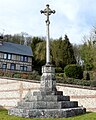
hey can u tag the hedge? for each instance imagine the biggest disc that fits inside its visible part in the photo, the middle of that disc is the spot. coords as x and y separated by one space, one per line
74 71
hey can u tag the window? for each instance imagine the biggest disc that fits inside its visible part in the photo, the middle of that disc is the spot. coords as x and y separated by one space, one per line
7 56
23 68
24 58
4 66
17 57
21 58
13 66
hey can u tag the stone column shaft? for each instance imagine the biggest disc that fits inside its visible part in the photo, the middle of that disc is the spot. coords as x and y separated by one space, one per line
47 44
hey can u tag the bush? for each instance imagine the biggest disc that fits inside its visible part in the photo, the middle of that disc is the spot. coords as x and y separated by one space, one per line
76 82
24 75
88 75
93 83
8 74
17 75
1 73
60 75
58 70
60 80
34 75
73 71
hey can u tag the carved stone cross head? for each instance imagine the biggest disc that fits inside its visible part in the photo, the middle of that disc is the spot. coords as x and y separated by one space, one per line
47 11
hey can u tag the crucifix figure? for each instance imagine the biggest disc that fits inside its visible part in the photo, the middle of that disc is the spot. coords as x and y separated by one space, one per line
47 11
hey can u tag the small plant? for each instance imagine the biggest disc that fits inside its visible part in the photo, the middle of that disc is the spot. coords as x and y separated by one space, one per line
8 74
17 75
58 70
93 83
60 75
34 75
1 73
24 75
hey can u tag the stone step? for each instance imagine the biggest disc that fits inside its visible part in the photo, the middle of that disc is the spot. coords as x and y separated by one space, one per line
69 104
43 93
47 113
59 92
48 98
48 105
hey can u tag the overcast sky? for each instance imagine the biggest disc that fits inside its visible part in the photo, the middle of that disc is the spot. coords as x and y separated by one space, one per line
73 17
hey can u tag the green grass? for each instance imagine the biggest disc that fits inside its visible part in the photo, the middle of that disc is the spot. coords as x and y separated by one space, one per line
88 116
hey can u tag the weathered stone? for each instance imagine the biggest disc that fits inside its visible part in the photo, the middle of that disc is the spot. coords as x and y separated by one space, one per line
48 105
48 69
48 102
47 113
43 93
47 98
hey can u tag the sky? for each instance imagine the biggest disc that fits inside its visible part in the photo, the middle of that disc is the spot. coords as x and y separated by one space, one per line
75 18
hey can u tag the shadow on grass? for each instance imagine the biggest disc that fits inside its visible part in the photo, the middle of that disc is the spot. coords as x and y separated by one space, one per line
2 108
80 115
88 112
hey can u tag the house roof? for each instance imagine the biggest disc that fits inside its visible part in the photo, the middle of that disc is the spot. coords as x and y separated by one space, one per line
14 48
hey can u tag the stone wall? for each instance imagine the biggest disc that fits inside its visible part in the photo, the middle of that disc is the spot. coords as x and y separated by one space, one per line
13 90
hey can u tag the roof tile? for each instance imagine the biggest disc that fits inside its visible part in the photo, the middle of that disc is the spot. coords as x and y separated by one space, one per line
14 48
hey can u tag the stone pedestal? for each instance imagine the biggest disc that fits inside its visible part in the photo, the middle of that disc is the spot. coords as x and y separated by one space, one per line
48 80
48 102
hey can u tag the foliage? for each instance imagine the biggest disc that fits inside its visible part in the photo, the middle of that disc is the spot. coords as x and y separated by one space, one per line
62 52
18 38
17 75
88 51
1 73
73 71
88 116
87 54
93 83
34 75
58 69
38 48
61 75
21 37
35 41
24 76
40 53
88 75
77 54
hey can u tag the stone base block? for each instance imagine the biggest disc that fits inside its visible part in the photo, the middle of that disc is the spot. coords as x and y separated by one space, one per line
46 113
43 93
48 105
49 98
48 102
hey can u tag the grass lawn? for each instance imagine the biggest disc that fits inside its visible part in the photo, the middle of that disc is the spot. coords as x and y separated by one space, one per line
88 116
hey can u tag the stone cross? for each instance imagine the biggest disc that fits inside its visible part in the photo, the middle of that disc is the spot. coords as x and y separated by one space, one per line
48 102
47 11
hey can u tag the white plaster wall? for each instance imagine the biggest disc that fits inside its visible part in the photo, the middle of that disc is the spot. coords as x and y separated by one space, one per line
14 90
85 97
